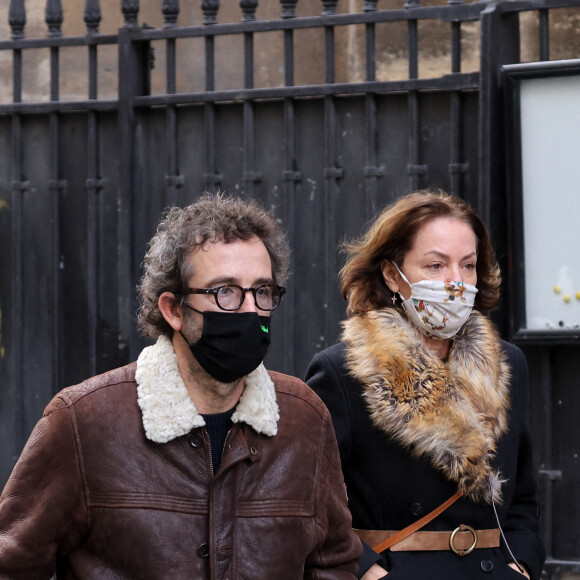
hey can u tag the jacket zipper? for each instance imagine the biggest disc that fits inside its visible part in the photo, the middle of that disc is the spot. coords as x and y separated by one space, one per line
206 437
225 443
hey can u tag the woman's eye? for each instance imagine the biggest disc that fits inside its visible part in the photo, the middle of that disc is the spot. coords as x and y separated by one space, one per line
436 266
225 290
470 266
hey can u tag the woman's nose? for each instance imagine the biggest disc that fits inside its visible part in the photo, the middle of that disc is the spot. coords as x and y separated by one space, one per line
455 274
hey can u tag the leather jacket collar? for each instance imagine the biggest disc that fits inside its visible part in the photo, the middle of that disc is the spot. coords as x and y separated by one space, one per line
168 411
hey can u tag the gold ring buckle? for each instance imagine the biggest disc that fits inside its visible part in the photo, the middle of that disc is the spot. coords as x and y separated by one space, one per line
463 528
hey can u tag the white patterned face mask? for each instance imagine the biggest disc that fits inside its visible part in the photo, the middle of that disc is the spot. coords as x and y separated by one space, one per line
438 309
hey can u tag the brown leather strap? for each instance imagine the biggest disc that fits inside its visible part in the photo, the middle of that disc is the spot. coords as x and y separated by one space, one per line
405 532
426 541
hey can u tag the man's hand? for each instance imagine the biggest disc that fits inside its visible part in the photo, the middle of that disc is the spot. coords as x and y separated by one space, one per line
374 573
511 565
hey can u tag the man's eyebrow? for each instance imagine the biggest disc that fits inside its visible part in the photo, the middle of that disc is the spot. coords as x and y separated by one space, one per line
219 280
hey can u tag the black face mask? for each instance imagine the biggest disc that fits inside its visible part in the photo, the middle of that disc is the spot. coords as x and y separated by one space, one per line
232 344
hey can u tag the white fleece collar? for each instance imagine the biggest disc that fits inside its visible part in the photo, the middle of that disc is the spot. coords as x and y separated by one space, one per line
168 411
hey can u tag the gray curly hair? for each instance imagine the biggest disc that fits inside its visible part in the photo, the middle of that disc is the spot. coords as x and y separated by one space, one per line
214 217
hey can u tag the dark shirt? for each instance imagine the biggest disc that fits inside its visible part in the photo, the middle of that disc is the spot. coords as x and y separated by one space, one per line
218 426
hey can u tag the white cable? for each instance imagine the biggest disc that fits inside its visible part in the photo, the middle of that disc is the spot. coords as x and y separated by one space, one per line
520 568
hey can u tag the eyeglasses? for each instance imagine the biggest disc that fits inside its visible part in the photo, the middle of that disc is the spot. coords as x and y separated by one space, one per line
231 296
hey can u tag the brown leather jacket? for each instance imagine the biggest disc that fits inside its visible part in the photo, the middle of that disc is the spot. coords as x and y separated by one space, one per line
97 494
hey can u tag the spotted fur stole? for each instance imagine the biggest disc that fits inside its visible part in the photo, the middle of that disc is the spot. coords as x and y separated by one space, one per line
451 413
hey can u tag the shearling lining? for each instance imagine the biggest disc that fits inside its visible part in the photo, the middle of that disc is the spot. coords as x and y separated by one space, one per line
168 411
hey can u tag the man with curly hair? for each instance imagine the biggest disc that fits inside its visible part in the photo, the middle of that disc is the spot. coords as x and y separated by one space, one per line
193 461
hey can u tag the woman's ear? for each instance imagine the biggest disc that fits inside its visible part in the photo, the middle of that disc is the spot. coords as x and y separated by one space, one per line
171 310
391 276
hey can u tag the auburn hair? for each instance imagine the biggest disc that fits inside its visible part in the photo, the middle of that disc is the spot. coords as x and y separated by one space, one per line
392 235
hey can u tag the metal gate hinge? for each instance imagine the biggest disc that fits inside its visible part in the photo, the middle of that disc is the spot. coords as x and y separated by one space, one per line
416 169
334 172
20 185
175 180
57 183
550 474
458 167
215 178
374 171
94 183
252 176
291 176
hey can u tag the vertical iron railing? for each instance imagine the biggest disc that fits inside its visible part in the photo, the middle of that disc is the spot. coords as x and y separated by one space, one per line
251 175
332 175
173 180
54 18
212 178
93 186
19 186
414 168
500 44
373 170
456 168
544 33
134 80
291 176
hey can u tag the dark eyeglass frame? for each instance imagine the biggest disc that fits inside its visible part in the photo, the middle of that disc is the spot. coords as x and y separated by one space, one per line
214 292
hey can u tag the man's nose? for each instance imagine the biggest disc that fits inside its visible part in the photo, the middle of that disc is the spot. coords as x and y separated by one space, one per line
249 304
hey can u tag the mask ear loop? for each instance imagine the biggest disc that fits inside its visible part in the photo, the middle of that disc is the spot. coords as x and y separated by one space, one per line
403 277
520 567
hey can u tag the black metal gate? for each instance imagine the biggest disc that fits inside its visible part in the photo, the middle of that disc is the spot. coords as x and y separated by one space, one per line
83 183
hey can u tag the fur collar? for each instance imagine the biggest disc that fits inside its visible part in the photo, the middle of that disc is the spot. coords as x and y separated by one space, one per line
451 413
168 411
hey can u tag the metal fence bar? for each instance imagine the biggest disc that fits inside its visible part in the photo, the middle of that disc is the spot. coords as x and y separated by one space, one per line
463 81
211 177
251 176
93 186
544 34
500 44
49 41
134 61
456 167
19 185
54 18
372 170
546 382
60 106
414 168
332 174
173 180
463 12
290 178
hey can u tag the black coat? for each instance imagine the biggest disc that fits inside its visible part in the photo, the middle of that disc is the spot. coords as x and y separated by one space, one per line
388 489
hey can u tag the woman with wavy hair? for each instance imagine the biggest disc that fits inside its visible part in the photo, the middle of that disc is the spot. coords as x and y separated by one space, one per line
429 405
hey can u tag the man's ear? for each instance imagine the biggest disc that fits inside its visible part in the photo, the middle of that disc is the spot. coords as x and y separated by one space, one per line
391 276
171 310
